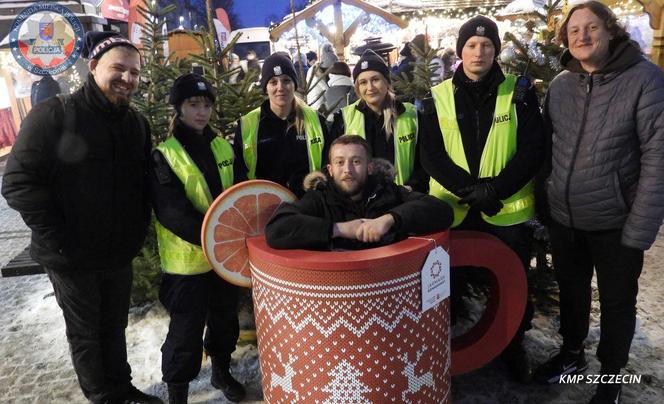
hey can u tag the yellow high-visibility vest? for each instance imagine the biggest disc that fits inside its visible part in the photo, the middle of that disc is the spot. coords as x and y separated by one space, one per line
499 148
312 129
405 136
177 255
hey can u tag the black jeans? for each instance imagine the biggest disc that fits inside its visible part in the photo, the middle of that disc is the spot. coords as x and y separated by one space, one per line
95 305
192 302
575 254
518 238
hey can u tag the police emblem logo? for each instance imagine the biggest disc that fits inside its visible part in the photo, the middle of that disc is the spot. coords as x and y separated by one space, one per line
277 71
365 65
46 38
201 86
479 31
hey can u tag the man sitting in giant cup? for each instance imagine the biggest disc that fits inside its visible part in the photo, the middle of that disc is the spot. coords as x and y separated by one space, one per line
355 205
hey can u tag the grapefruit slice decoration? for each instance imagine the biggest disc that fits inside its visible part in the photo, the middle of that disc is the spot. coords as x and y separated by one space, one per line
239 212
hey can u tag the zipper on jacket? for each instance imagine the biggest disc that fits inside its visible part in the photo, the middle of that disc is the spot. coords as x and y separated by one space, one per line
575 152
480 149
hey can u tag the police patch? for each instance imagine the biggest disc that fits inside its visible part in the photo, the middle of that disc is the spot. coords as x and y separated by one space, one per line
365 65
277 70
201 86
161 169
480 31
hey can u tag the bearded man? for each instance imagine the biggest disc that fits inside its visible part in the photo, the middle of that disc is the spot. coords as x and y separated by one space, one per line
355 206
77 176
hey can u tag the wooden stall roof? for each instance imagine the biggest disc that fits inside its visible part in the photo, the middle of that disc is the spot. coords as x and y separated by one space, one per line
409 6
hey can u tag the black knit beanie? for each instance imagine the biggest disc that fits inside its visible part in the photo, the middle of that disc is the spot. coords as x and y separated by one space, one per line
97 43
275 65
370 61
478 26
190 85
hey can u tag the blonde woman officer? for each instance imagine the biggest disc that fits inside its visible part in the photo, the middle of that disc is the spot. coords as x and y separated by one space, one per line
283 139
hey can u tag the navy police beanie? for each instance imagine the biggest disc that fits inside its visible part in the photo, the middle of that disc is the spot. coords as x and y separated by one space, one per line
190 85
478 26
370 61
275 65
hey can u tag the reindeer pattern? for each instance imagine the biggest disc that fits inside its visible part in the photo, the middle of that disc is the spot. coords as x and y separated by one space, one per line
285 381
415 383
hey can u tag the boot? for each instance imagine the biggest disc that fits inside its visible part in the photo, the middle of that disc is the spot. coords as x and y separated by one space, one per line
224 381
135 396
607 394
178 393
518 363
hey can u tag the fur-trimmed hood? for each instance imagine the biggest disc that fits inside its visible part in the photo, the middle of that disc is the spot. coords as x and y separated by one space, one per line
383 171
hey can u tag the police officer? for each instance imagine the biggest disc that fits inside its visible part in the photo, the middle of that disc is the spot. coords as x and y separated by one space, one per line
389 126
189 169
482 148
283 139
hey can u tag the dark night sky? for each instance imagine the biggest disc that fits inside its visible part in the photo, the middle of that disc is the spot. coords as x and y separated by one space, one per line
250 13
253 13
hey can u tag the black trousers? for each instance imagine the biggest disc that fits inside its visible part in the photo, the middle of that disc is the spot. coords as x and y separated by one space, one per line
95 305
518 238
575 254
192 302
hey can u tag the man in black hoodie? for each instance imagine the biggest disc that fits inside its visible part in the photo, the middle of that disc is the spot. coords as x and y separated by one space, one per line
77 176
481 148
605 186
359 208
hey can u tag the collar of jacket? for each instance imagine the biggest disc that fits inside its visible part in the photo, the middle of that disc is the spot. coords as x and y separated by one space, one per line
623 55
339 80
186 134
364 108
267 114
98 101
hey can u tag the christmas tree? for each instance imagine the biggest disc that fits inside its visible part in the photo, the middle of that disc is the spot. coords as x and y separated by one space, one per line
425 74
158 73
233 100
533 51
345 386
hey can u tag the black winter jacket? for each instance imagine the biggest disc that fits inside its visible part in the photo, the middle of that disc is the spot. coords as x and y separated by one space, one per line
83 193
607 140
169 200
381 146
282 152
475 106
307 223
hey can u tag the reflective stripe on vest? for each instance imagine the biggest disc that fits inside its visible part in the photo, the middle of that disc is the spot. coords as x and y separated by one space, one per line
405 138
313 130
499 148
177 255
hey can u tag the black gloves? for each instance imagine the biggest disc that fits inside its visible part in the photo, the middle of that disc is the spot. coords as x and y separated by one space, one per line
481 196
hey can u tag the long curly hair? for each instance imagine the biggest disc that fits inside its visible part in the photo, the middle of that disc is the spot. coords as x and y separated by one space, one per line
604 13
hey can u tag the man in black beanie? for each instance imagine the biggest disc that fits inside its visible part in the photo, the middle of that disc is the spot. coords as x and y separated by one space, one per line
77 176
482 149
